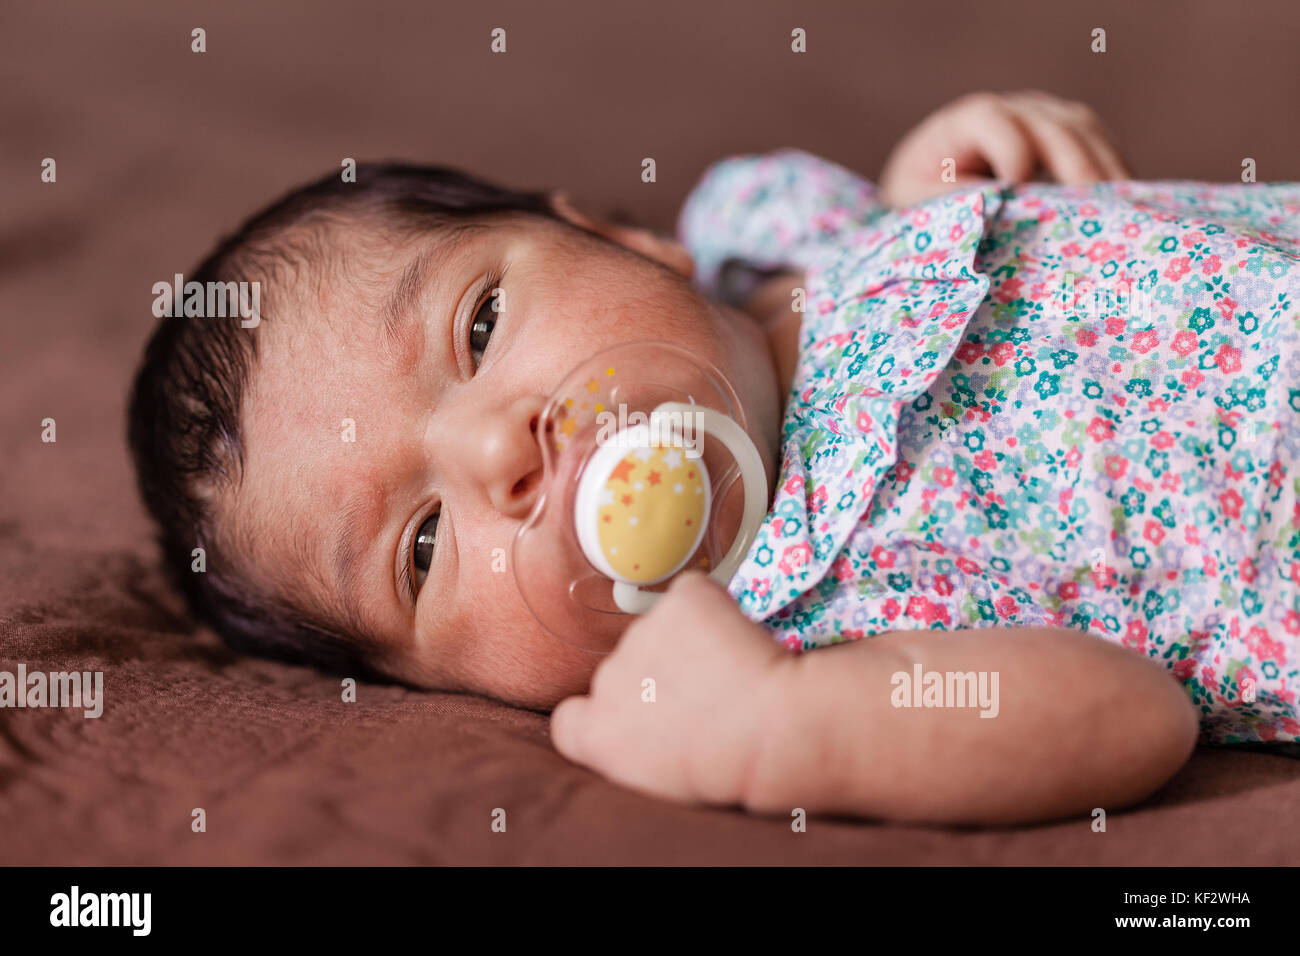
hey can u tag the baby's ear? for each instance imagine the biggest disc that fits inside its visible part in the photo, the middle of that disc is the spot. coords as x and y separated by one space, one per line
662 249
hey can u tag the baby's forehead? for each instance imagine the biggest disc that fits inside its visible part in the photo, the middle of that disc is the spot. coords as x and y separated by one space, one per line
327 277
359 257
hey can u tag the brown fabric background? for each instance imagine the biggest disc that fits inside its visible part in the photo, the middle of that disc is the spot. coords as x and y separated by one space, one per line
159 150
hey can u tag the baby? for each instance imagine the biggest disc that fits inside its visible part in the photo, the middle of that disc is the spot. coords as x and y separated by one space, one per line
1032 441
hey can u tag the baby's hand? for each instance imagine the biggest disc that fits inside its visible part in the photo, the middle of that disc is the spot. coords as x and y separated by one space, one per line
693 734
1006 135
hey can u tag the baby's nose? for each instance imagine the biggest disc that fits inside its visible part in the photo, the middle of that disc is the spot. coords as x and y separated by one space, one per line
509 457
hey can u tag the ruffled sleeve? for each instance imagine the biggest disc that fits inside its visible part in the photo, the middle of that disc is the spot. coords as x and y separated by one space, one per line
885 315
766 211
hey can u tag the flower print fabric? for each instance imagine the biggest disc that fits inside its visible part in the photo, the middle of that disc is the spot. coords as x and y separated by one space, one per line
1035 405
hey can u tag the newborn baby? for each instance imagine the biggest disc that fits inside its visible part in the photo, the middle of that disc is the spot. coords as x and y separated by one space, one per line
1036 434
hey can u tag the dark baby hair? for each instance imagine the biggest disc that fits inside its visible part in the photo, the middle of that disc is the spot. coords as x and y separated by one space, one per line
184 412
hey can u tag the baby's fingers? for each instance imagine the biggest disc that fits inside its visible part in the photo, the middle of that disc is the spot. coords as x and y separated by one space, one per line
1074 146
1061 151
1104 150
987 130
568 727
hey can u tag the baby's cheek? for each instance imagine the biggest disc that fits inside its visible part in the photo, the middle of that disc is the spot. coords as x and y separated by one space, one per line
523 664
494 646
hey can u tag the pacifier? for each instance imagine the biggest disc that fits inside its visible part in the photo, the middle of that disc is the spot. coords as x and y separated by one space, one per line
647 472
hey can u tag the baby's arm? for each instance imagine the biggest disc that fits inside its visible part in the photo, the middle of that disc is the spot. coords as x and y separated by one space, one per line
697 703
1080 724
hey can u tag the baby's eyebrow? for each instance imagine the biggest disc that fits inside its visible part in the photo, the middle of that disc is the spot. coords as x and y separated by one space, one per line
401 337
349 544
400 331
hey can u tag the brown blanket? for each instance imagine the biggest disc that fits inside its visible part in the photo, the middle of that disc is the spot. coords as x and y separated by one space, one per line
160 149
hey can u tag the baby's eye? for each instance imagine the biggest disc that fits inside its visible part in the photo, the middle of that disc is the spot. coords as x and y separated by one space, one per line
480 332
422 548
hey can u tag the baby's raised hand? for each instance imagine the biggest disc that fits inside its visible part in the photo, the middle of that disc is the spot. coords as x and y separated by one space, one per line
1005 136
676 710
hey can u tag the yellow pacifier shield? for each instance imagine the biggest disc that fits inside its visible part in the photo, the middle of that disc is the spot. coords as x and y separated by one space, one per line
642 511
651 514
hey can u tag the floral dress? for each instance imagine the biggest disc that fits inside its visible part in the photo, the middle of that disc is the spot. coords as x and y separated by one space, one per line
1034 405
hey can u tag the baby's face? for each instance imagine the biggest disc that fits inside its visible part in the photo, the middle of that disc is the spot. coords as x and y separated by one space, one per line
445 393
